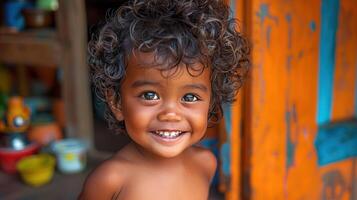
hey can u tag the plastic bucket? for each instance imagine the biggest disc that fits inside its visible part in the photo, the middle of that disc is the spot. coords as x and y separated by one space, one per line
71 155
36 170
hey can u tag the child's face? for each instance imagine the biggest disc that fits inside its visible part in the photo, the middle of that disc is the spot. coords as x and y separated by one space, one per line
164 111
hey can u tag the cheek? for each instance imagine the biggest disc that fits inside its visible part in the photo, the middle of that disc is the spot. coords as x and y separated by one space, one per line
136 117
198 117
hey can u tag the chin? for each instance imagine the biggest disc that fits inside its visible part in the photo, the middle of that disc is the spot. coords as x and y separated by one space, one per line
168 152
167 148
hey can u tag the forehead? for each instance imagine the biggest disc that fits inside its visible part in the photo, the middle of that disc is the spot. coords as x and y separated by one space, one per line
149 66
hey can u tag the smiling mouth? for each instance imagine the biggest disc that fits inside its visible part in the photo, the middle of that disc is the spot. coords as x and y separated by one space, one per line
168 134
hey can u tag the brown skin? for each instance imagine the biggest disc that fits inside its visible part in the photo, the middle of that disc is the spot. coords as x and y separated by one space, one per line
152 167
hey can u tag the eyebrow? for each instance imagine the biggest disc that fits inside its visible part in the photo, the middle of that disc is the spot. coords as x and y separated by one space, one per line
197 86
140 83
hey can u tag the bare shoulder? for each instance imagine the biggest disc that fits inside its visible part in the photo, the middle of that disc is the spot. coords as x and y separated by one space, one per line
205 159
106 181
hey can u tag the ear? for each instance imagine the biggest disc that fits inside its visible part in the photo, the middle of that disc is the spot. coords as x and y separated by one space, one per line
114 106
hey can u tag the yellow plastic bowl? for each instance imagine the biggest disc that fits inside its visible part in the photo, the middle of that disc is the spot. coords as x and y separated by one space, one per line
36 170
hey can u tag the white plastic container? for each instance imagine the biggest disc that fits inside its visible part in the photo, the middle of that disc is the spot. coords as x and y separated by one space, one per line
71 155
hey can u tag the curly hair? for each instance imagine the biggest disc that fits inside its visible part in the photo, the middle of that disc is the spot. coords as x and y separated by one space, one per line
181 31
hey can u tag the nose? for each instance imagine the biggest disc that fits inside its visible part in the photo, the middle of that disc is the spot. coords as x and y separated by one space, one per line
169 116
169 112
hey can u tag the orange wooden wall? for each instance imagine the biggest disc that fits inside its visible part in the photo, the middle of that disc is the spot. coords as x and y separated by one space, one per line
276 158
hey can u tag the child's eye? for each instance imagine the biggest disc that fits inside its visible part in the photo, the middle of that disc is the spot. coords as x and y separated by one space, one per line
190 98
149 96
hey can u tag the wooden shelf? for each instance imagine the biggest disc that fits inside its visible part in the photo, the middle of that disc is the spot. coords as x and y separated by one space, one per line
65 47
32 47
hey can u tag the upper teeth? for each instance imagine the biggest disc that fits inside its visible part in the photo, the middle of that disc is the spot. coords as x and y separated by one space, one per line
168 133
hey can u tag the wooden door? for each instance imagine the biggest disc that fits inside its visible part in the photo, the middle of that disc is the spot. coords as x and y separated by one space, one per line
298 139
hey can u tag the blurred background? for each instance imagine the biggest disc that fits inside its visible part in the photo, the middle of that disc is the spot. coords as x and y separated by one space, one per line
291 134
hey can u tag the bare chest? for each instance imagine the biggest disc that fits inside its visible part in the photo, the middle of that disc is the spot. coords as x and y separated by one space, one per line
174 185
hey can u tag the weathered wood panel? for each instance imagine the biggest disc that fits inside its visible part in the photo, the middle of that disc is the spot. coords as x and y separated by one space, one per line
39 48
236 123
346 62
76 87
285 101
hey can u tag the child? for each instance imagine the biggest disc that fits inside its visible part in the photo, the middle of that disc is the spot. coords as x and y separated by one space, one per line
164 67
